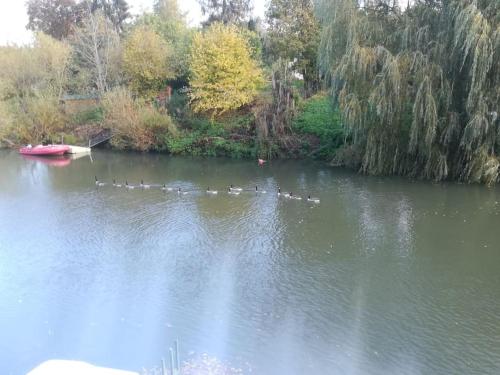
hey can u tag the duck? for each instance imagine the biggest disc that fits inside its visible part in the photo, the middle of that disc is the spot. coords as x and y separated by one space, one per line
211 191
314 200
233 192
115 184
259 191
145 186
127 186
232 188
99 183
180 192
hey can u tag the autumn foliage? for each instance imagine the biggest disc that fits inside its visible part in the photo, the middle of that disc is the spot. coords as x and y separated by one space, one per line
224 77
145 61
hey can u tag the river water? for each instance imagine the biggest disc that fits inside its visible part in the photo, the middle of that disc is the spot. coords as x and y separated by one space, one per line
384 276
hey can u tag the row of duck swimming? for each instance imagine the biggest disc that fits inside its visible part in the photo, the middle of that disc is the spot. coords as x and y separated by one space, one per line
231 190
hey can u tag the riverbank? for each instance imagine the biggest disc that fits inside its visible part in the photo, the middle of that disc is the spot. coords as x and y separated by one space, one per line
314 132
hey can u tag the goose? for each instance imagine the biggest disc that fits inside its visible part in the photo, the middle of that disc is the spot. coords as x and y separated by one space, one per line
279 190
314 200
180 192
232 192
99 183
296 197
232 188
127 186
259 191
211 191
115 184
165 188
145 186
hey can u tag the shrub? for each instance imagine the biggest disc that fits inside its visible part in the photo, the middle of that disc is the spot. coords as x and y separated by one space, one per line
94 115
136 124
317 117
36 119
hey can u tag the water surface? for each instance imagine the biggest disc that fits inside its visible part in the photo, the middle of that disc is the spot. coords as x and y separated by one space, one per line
384 276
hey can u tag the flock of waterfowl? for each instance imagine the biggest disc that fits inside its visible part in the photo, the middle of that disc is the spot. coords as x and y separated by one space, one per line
231 190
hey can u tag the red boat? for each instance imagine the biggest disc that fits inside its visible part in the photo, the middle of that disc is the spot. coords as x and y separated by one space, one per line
44 150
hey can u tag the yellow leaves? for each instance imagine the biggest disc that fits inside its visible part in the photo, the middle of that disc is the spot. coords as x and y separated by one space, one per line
53 54
146 61
42 67
223 75
53 58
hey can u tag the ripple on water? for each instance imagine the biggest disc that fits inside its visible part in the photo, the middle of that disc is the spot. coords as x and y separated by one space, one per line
369 281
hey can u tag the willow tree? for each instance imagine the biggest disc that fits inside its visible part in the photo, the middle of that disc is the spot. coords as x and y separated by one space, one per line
419 88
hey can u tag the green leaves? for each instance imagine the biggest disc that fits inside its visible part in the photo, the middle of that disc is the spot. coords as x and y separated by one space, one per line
418 89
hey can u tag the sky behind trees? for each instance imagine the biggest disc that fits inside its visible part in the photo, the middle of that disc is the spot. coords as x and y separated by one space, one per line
13 17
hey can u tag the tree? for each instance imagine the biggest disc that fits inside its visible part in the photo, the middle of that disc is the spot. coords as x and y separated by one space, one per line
418 90
225 11
117 11
167 10
54 17
32 79
146 61
53 57
293 35
28 71
97 48
58 18
223 75
168 22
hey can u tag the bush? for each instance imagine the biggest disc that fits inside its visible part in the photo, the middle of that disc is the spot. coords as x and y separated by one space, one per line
317 117
210 138
178 104
136 124
35 119
89 116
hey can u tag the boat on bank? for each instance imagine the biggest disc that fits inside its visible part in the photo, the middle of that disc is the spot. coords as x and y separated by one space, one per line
41 150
